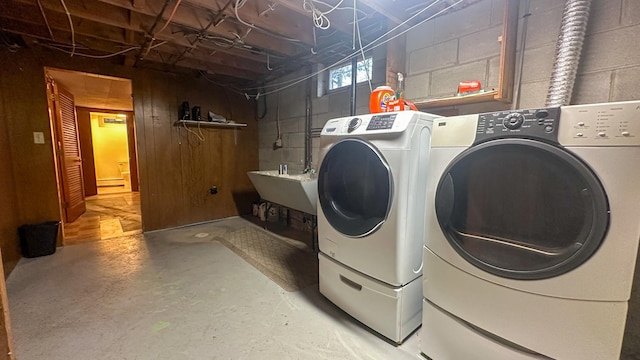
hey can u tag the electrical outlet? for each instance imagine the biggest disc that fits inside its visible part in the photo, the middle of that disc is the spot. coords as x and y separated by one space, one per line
38 137
213 190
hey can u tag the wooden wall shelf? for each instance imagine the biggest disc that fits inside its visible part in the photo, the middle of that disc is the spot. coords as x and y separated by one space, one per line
457 100
506 74
210 124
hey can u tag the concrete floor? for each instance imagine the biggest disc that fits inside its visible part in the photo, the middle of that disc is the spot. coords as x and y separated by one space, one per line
174 295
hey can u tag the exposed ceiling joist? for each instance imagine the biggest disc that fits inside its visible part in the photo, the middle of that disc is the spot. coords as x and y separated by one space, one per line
390 10
339 19
275 20
196 18
86 35
245 40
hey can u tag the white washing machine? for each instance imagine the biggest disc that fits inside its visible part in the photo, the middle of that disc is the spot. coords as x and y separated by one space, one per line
370 217
533 225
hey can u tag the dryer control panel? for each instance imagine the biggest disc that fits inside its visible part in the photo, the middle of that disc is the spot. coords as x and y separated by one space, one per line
607 124
532 123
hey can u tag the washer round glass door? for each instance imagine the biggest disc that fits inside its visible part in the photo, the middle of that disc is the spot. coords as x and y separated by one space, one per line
522 209
354 187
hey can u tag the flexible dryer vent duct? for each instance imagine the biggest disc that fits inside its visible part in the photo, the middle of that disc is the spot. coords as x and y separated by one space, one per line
568 49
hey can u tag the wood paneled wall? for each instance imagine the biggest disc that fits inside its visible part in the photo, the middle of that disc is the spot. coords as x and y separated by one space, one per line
9 219
28 174
176 169
179 165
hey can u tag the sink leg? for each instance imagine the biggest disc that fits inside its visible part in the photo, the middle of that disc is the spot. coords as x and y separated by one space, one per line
266 215
314 238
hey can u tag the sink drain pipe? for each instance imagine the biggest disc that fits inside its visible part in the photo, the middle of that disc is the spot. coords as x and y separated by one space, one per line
307 123
568 49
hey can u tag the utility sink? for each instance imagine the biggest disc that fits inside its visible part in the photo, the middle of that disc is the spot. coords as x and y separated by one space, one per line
295 191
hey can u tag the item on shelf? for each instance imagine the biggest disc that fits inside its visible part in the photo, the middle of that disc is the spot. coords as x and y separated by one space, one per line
400 89
216 118
400 105
195 113
379 99
469 87
185 113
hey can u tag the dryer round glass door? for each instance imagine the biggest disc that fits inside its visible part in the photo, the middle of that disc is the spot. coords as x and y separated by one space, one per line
521 208
354 187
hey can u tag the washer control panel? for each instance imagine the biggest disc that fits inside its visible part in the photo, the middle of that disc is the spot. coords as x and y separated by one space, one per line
532 123
381 122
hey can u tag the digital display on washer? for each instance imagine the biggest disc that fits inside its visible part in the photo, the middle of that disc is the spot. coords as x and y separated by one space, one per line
380 122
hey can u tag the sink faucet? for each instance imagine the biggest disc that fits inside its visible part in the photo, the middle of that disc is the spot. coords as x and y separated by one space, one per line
309 171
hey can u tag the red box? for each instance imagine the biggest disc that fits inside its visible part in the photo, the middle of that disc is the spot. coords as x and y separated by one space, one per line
400 105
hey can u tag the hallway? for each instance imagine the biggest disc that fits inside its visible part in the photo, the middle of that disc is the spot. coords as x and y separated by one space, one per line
108 215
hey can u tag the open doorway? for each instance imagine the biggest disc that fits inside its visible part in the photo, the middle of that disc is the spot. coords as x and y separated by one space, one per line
110 152
109 157
96 160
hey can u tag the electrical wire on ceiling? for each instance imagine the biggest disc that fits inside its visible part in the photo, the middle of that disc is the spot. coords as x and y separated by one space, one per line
239 4
73 32
54 47
154 34
364 59
320 19
270 7
226 86
221 42
369 46
238 43
46 22
60 47
173 12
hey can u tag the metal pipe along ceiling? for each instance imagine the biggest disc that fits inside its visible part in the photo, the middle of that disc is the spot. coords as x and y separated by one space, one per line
568 49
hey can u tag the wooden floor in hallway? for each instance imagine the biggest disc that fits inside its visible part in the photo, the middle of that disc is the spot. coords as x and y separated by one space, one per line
109 214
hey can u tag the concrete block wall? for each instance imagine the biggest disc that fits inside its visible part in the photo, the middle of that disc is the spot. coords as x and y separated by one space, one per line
464 46
291 105
451 48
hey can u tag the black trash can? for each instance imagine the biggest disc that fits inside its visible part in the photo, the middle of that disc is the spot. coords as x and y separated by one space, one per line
38 239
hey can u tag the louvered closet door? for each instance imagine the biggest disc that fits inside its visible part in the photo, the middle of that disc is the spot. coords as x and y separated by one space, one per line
71 160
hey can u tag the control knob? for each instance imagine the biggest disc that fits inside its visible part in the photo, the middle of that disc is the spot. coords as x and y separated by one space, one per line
513 121
353 124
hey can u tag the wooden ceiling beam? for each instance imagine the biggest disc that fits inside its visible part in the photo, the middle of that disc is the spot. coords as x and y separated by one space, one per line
202 66
59 21
138 4
196 18
135 22
27 23
104 14
226 60
280 20
40 36
388 9
339 19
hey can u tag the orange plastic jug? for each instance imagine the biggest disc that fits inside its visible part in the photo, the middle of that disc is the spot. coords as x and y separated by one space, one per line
379 99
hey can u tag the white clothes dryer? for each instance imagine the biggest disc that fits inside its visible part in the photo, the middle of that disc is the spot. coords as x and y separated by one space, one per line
371 215
532 233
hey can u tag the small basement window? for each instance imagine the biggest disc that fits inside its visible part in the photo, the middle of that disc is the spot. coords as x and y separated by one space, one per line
341 76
